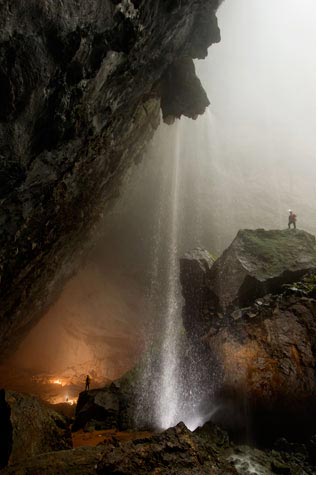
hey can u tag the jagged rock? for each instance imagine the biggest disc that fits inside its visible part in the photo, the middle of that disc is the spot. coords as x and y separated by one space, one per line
104 408
214 435
35 428
182 92
259 262
195 267
261 357
80 98
248 460
175 451
267 368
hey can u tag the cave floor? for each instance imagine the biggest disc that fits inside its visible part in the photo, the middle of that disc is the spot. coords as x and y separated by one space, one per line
93 438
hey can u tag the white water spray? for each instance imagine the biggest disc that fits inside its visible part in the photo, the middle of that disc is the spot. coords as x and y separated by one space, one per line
170 392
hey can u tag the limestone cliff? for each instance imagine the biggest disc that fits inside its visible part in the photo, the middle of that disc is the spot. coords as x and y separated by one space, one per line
81 84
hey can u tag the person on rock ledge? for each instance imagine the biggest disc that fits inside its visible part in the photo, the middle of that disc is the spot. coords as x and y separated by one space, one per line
87 383
291 219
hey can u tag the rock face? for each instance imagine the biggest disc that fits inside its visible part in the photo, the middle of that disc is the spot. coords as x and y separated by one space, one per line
259 262
81 88
104 408
35 428
266 361
262 355
175 451
195 268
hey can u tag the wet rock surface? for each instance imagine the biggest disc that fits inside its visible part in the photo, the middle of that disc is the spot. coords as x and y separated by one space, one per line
175 451
261 356
266 360
81 87
249 460
35 428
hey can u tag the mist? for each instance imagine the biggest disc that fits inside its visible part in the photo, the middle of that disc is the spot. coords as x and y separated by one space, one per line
243 164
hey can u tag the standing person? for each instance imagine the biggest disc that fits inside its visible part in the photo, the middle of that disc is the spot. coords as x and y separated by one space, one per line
87 383
291 219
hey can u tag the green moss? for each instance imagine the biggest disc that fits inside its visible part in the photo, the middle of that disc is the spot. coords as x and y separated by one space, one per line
277 249
214 257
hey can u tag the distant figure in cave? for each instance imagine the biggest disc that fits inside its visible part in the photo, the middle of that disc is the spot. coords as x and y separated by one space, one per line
291 219
87 383
5 430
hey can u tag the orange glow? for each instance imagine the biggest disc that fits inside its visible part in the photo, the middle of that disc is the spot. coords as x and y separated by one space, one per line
56 381
70 401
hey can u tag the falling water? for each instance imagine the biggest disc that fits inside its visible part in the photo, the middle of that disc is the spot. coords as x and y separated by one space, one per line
198 183
192 169
169 385
146 401
167 393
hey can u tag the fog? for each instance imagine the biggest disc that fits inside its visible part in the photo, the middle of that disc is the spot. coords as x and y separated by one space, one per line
243 164
261 81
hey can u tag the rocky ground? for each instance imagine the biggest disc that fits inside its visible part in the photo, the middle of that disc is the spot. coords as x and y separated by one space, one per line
208 450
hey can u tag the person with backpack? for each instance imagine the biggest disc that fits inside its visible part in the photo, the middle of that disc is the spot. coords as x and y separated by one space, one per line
291 219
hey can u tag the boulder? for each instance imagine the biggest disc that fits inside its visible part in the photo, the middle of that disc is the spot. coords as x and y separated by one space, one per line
266 368
195 269
255 328
259 262
34 427
104 408
196 266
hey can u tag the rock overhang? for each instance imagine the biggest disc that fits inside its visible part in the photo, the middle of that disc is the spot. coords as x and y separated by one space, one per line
81 91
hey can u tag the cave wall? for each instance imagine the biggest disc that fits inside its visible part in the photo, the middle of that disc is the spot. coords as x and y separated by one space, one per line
81 85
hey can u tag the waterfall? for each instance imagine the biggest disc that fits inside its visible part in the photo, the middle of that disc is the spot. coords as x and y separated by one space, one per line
158 400
170 385
167 393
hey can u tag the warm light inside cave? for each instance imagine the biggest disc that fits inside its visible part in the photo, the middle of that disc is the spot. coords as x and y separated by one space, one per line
56 381
70 401
92 329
